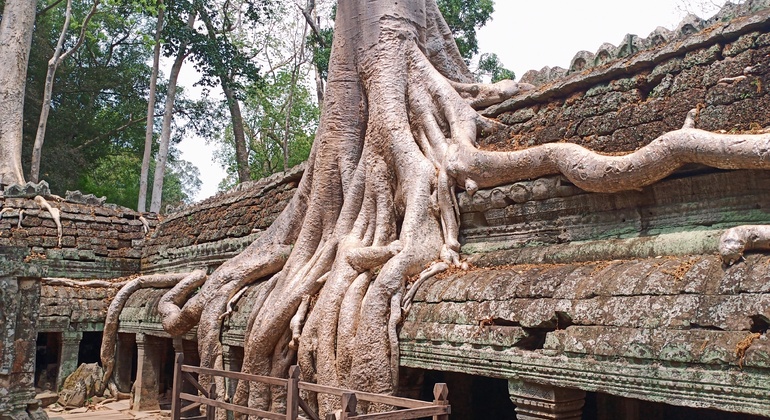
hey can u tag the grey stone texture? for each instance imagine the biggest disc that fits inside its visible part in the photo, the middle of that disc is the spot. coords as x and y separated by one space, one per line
569 291
218 228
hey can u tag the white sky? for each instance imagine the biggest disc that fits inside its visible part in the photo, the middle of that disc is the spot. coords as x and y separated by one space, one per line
528 35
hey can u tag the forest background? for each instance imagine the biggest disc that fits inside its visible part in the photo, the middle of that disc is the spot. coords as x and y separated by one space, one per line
250 82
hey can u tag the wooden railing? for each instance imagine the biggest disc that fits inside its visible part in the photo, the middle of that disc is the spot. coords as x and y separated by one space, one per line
406 408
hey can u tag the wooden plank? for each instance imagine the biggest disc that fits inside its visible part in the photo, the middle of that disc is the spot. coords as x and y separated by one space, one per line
366 396
409 413
235 375
190 407
233 407
292 394
211 412
309 411
176 403
191 379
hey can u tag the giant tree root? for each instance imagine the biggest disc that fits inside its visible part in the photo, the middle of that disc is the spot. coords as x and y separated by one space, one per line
110 334
377 204
735 241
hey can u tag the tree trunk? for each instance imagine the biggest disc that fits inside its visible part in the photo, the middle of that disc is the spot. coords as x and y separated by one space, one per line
53 64
15 42
241 148
299 56
168 115
225 78
149 131
377 204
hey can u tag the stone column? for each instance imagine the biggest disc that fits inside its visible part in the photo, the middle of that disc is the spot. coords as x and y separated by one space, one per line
535 401
232 360
19 309
68 356
149 353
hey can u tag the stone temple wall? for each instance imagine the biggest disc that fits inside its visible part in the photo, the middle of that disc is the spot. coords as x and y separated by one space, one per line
618 294
207 233
621 105
96 241
623 293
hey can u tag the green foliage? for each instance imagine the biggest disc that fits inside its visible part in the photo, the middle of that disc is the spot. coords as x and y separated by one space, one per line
96 126
116 176
490 65
322 50
464 17
264 114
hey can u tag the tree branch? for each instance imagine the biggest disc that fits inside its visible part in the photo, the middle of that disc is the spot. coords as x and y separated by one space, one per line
47 8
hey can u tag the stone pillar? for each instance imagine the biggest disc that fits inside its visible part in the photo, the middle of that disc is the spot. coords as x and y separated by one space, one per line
19 309
68 356
149 354
534 401
232 360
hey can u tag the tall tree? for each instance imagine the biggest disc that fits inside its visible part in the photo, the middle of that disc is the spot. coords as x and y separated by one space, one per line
150 124
168 114
15 40
376 205
226 63
53 64
266 108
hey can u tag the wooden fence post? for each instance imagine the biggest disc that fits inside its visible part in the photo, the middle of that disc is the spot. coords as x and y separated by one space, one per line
349 405
176 402
441 394
292 394
210 409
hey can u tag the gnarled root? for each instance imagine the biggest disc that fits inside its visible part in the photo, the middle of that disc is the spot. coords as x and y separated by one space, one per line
481 95
429 272
180 314
49 281
735 241
55 215
377 204
599 173
110 333
297 321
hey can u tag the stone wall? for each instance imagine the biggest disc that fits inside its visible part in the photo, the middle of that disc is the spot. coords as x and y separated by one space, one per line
97 240
208 233
624 104
613 293
669 329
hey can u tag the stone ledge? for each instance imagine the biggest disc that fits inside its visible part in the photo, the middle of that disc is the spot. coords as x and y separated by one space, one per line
743 391
720 32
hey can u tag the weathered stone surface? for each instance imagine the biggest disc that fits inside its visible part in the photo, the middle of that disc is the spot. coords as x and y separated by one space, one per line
28 190
78 197
81 385
616 293
217 228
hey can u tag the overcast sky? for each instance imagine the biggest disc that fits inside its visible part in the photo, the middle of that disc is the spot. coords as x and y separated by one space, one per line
529 35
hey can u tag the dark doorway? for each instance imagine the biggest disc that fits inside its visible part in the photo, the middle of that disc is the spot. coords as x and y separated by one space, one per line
609 407
90 348
47 360
472 397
